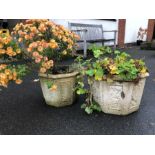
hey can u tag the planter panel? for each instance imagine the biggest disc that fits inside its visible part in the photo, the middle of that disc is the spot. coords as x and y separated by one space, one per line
64 95
119 98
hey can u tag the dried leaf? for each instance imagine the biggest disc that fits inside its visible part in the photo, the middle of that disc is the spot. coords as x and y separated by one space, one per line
109 80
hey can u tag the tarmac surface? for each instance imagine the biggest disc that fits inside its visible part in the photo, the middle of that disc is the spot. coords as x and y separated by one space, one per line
23 111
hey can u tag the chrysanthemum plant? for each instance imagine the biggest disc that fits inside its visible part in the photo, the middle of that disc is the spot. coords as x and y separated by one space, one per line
45 42
42 41
108 65
8 48
10 51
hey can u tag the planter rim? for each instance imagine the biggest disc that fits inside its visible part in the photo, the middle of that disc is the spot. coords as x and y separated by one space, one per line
116 79
58 76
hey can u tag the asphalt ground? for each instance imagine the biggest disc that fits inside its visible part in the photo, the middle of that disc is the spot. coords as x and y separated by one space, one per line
23 111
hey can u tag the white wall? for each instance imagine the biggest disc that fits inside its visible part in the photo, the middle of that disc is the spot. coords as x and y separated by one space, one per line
107 25
132 27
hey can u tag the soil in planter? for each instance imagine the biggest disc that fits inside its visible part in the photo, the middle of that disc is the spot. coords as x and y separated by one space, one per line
61 69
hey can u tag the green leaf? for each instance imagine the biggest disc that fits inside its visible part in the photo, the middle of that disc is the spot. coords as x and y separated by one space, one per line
88 110
49 84
97 64
108 50
96 106
97 53
99 74
90 72
83 106
22 70
80 91
117 52
81 84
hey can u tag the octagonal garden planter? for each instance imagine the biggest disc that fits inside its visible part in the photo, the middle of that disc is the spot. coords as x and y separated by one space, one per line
64 94
118 97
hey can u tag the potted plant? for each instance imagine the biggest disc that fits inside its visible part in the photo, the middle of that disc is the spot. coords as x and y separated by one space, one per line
47 44
9 49
10 52
141 35
116 81
9 73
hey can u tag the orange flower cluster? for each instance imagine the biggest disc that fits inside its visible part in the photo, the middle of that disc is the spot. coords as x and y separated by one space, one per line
8 46
38 51
41 45
53 88
8 74
46 65
45 41
38 29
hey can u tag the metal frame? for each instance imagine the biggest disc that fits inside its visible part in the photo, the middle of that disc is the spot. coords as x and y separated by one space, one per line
85 31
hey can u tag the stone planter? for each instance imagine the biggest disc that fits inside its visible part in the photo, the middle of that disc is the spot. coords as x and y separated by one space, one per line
119 98
64 94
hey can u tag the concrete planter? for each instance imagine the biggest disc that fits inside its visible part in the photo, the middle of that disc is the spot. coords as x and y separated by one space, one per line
119 98
64 95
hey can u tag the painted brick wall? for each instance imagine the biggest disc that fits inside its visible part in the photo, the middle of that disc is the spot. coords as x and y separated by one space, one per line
121 32
151 24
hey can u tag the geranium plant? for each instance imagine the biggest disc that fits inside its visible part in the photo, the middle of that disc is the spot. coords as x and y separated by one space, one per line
107 65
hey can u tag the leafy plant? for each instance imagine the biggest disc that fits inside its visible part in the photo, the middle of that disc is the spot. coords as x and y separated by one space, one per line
106 65
99 51
90 108
127 71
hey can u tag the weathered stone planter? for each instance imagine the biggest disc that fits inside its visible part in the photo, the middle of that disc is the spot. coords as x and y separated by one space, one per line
119 98
64 95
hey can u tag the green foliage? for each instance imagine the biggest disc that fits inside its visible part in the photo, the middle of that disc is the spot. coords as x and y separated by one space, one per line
99 74
127 71
90 72
80 88
21 70
106 65
116 52
81 91
99 51
49 84
121 57
89 109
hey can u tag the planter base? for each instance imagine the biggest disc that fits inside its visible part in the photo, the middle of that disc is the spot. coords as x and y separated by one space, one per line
64 94
119 98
